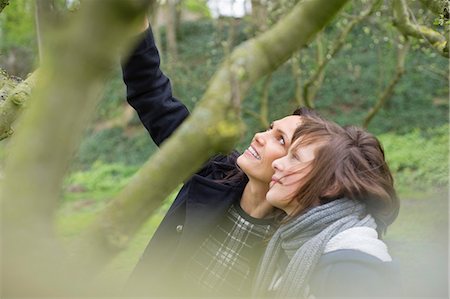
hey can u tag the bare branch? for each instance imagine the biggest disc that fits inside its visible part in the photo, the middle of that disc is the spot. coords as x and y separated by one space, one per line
389 90
317 76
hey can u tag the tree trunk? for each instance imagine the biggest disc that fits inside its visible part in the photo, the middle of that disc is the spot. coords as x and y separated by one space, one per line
389 90
171 30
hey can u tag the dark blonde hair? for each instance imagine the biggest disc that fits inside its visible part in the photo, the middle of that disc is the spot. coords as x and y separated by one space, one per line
349 162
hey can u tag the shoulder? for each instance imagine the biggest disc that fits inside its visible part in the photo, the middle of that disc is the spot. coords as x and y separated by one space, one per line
352 273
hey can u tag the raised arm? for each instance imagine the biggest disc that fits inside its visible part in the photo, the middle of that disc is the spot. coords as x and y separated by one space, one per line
149 91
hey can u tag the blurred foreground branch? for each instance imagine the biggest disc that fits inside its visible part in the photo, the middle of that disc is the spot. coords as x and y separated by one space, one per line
67 89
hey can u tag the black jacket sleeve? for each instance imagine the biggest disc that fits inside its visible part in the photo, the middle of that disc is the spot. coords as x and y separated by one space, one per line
149 91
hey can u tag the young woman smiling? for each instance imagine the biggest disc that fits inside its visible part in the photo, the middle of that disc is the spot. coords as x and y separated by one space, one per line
337 192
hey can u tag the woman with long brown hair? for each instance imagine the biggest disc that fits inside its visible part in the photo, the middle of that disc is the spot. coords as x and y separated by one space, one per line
337 192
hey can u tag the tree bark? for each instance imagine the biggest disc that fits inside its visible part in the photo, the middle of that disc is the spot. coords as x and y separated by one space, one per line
213 127
15 98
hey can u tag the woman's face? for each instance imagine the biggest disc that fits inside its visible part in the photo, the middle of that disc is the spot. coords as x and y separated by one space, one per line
290 171
256 161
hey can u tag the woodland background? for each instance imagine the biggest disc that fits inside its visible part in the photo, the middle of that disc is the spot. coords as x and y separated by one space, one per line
364 68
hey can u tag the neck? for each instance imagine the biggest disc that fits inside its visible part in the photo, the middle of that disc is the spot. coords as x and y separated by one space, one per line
253 200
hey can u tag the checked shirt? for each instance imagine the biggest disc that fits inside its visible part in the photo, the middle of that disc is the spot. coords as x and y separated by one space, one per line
225 263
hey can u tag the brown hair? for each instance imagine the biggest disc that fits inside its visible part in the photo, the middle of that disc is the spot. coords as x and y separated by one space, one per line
349 162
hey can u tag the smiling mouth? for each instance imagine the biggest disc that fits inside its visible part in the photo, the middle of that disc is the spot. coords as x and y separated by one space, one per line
254 153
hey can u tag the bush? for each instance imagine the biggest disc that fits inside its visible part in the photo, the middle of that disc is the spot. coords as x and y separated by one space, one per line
419 159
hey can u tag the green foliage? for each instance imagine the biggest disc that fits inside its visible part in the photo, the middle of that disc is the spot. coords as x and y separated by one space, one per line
114 146
113 98
100 182
18 47
419 160
17 24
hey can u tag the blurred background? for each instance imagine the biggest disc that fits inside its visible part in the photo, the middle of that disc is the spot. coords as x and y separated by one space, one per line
354 66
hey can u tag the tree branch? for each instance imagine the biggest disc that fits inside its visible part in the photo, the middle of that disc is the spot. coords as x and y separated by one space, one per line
389 90
405 26
310 93
3 4
15 97
337 46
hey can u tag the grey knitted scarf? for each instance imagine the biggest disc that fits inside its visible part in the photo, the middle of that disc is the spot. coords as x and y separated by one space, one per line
303 240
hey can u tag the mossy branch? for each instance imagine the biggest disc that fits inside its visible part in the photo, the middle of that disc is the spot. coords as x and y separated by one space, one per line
15 97
310 92
403 23
389 90
213 127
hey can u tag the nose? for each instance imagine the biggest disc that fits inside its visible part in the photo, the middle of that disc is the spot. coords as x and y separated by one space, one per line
277 164
260 138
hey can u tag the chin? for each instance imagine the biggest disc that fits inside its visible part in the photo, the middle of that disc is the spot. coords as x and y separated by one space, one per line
240 161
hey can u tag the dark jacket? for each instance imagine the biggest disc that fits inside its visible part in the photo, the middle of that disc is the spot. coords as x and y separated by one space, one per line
202 201
352 273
